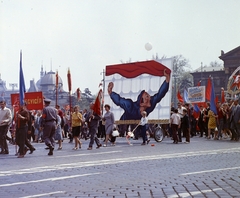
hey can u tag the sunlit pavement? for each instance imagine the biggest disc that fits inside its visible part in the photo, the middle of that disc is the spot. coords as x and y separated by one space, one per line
203 168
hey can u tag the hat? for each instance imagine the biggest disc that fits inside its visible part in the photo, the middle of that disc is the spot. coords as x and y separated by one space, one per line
47 100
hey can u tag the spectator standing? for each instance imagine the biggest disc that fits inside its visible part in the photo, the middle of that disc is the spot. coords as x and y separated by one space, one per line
5 120
175 125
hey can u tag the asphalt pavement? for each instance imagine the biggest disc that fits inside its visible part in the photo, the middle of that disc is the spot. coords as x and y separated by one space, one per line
203 168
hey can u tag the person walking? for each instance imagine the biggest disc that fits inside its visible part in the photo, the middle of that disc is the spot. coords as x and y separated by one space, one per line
185 125
76 126
58 132
143 127
5 120
109 123
92 119
22 118
49 117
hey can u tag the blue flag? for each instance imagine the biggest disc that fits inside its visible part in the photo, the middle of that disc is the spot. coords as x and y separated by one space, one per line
22 88
212 99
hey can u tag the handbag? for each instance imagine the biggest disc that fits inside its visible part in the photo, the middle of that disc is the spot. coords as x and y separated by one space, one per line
115 133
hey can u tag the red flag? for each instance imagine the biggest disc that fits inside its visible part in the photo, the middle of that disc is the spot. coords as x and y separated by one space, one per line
78 94
97 104
199 83
69 81
56 79
180 98
209 89
222 95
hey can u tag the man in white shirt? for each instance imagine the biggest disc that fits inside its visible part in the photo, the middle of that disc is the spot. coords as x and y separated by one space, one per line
5 120
175 125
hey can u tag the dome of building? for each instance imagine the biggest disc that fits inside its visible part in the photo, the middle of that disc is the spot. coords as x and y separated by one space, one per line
50 79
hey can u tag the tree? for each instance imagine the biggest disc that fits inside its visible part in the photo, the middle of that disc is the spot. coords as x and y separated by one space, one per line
186 81
215 64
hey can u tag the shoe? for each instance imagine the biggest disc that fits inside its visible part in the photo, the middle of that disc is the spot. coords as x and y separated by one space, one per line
31 150
186 142
135 138
130 144
47 148
20 156
70 141
50 151
104 145
89 148
26 150
75 148
143 144
113 144
148 141
80 145
98 146
59 148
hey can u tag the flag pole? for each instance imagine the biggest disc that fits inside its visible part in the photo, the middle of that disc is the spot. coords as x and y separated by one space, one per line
56 88
70 89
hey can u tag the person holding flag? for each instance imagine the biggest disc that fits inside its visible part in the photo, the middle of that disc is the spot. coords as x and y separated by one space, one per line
92 118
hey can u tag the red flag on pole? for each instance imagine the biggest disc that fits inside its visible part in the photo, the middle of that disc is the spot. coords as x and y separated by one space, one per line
78 94
56 79
209 89
97 104
180 98
199 83
69 81
222 95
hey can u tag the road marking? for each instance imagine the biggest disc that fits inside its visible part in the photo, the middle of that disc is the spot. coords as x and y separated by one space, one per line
44 194
208 171
50 179
113 161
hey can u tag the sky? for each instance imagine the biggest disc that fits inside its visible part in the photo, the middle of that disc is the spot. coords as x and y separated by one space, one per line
87 35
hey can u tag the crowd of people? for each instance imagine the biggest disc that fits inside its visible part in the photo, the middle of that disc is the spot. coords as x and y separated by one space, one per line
223 124
51 125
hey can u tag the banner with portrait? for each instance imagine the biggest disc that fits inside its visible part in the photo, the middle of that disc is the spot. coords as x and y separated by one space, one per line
139 86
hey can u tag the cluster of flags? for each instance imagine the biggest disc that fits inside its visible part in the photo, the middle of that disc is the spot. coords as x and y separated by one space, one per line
22 89
210 96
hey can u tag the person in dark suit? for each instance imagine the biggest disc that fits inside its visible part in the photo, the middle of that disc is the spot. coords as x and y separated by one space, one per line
201 121
92 119
235 120
185 125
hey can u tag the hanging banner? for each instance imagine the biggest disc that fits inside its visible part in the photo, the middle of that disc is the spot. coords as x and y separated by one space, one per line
34 100
196 94
132 88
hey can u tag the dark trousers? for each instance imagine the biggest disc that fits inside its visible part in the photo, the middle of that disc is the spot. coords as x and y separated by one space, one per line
49 133
174 132
3 136
28 144
143 132
187 134
93 136
21 136
180 134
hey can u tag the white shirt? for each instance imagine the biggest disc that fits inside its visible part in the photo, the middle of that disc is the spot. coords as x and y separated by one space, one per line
143 121
175 119
5 116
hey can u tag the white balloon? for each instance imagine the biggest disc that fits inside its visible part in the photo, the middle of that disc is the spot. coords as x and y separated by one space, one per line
148 46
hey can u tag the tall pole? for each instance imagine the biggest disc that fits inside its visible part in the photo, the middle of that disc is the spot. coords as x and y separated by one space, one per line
103 83
56 88
175 92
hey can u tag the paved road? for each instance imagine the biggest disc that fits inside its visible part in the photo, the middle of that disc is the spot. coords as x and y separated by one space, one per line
203 168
